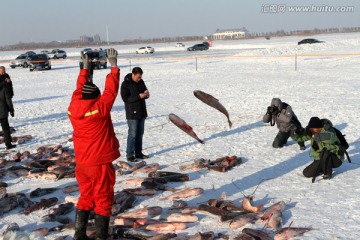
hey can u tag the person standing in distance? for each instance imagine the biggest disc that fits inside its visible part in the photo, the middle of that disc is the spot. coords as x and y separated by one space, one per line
5 77
95 146
134 93
6 106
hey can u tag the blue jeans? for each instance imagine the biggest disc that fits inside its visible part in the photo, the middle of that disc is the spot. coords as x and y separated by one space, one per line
135 137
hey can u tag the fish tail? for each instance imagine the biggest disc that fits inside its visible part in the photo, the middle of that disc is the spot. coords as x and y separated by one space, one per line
230 123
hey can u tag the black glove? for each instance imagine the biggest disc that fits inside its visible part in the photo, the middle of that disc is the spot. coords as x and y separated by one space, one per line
12 114
315 146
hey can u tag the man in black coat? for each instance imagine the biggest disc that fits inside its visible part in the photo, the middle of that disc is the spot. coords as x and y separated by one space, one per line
134 93
5 77
6 107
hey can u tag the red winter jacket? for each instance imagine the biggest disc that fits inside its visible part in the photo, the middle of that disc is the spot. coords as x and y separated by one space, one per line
94 138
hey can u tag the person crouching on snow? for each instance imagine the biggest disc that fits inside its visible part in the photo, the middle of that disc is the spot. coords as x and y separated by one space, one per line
325 149
282 114
95 146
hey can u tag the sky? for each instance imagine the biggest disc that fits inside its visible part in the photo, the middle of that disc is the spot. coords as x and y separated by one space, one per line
48 20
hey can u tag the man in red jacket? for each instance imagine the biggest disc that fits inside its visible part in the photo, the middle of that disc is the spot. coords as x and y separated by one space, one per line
96 146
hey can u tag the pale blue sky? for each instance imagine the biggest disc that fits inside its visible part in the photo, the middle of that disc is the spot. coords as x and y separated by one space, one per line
46 20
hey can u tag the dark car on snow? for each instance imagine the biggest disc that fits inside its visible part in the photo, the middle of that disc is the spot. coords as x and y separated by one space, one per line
309 41
98 59
30 53
198 47
39 61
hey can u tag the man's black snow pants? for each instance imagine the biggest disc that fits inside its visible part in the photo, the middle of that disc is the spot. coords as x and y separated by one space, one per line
327 162
282 138
6 131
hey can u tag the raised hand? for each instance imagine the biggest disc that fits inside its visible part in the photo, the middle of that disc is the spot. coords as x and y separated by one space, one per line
112 56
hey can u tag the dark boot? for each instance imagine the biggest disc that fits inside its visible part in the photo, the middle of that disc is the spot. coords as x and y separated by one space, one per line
102 227
81 221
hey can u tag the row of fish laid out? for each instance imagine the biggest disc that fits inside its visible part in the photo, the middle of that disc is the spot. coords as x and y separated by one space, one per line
48 163
140 223
17 139
222 164
237 216
11 201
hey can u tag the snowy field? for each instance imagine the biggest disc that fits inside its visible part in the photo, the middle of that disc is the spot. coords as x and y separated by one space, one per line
323 85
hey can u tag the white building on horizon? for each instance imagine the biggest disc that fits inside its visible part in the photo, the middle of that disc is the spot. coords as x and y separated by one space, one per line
230 33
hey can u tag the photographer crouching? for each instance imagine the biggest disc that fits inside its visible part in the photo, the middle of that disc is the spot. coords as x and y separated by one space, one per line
326 148
282 114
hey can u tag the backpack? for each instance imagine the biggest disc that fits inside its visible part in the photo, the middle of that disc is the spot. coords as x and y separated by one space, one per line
328 126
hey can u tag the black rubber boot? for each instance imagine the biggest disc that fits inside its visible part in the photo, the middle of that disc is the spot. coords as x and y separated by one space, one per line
81 221
102 227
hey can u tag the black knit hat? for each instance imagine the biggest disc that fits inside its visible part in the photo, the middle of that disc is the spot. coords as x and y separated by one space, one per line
315 122
90 91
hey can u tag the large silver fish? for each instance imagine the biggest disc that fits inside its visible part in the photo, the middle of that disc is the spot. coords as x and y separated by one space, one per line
212 102
290 232
184 126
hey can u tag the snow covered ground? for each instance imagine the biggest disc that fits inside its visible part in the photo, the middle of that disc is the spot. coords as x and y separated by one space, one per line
324 86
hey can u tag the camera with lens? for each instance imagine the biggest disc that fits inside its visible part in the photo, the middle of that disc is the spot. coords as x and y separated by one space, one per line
271 110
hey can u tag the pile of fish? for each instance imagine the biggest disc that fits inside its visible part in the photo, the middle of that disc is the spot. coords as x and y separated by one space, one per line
222 164
140 180
50 163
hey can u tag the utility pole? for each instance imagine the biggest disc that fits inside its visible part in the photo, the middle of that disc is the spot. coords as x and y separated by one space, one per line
107 35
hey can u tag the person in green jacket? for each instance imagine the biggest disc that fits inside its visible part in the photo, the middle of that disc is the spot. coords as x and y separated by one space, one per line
325 149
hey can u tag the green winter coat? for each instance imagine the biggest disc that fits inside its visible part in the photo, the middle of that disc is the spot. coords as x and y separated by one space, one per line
323 140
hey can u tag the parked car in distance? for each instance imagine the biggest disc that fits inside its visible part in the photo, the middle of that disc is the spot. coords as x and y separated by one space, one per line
30 53
39 61
206 44
45 52
145 50
86 50
198 47
21 61
180 44
57 53
309 41
98 59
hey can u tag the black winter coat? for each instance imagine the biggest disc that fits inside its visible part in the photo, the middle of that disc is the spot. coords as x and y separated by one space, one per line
135 107
6 104
2 78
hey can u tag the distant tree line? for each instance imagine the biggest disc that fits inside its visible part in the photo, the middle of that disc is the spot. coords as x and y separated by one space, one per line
80 44
281 33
